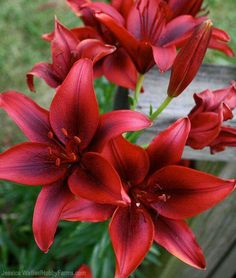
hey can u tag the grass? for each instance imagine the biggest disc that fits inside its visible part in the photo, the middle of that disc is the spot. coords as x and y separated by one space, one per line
21 24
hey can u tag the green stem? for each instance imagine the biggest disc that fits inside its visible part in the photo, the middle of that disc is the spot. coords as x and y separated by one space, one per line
160 109
137 91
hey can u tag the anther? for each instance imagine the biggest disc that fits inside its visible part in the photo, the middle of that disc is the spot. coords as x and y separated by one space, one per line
73 156
50 135
77 140
64 131
50 150
58 162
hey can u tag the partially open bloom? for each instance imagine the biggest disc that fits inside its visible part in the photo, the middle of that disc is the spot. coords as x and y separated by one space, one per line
65 142
67 47
207 117
162 195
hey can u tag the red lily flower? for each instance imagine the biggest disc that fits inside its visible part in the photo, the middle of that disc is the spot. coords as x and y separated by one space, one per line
189 59
211 110
67 48
63 144
162 195
83 272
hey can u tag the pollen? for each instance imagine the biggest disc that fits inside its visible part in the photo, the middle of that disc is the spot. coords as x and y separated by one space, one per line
77 140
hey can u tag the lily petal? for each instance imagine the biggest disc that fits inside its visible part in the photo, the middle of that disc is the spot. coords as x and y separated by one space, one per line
177 238
167 147
164 56
98 181
131 231
32 119
30 164
75 108
47 211
188 192
113 124
46 72
84 210
83 272
130 161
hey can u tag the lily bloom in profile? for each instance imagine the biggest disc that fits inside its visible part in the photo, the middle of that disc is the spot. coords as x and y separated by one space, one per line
65 141
162 195
67 47
212 109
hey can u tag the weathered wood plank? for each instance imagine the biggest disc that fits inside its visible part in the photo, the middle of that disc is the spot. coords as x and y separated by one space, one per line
216 233
155 84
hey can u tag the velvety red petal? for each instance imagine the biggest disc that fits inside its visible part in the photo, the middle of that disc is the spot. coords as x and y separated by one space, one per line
188 192
98 181
83 272
85 32
164 56
167 147
177 238
44 71
123 6
63 46
75 108
32 119
84 210
30 164
205 127
131 231
94 49
47 211
130 161
119 69
113 124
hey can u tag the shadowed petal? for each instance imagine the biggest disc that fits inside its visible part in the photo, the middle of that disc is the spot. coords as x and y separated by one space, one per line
47 211
131 231
130 161
84 210
188 192
75 108
46 72
168 146
32 119
115 123
30 164
177 238
98 181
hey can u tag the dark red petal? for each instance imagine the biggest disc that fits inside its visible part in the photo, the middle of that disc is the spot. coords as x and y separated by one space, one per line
221 46
177 238
205 127
98 181
115 123
119 69
75 107
30 164
164 56
75 5
84 210
32 119
85 32
44 71
167 147
188 192
47 211
63 46
83 272
130 161
131 231
94 49
123 6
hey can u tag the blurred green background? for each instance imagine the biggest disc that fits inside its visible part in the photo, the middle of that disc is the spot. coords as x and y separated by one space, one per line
22 22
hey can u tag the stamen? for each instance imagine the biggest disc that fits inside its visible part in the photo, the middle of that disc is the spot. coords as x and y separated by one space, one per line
73 156
64 131
50 135
77 140
58 162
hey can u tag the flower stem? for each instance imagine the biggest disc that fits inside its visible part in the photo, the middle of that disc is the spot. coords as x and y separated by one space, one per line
137 91
161 108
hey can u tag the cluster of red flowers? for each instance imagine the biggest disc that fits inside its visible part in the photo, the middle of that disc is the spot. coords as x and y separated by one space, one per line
88 169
